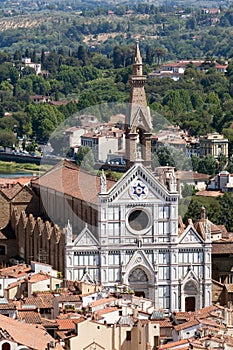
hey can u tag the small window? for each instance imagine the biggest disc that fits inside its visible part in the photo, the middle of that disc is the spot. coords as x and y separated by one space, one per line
2 250
128 335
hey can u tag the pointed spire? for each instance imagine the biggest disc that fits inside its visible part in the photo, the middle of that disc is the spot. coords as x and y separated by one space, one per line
138 122
137 66
137 58
69 232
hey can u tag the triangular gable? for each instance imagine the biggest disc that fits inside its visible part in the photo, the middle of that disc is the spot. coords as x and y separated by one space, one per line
136 177
139 259
191 275
86 238
190 235
24 195
87 278
94 345
139 120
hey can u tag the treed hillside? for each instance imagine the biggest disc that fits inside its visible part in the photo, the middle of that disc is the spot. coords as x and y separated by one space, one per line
184 32
86 57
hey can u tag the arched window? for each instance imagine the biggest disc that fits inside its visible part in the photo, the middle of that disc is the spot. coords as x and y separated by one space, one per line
6 346
138 275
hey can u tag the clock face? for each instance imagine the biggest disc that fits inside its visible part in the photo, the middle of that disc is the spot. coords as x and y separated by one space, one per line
138 190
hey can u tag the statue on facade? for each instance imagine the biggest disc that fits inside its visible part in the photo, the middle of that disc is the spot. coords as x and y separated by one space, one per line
103 182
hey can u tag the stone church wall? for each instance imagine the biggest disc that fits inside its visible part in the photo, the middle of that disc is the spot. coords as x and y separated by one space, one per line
39 240
4 211
25 199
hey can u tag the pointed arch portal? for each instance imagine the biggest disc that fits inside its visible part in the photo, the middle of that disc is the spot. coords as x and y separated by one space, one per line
138 282
190 294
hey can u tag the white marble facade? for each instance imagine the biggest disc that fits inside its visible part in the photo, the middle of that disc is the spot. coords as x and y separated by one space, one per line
138 244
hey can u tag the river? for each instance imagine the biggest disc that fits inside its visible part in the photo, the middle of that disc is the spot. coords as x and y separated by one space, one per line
16 173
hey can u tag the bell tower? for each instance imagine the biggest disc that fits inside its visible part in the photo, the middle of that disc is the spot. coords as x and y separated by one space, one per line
138 121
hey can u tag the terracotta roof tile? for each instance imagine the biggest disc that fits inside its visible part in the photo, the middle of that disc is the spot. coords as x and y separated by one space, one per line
222 247
229 288
15 271
9 181
15 284
34 337
65 324
32 316
69 297
8 306
37 277
192 322
205 312
61 334
206 193
48 323
12 191
174 344
184 315
102 301
211 323
67 178
42 302
106 311
191 175
78 320
166 323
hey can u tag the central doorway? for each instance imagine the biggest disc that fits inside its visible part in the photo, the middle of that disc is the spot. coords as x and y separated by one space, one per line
190 304
138 282
191 293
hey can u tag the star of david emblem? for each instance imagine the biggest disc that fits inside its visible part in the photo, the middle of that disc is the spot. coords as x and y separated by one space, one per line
138 190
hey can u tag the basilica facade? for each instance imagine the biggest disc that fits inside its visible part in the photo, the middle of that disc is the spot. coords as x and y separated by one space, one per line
134 238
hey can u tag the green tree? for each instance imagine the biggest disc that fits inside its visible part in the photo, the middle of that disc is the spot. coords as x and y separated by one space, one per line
207 165
193 208
226 205
117 57
160 53
85 158
24 123
188 190
82 55
7 138
45 119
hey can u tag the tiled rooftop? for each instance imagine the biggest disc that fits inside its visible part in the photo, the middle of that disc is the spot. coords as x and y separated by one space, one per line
34 337
65 324
38 277
7 182
43 301
66 177
11 191
102 301
192 322
32 317
15 271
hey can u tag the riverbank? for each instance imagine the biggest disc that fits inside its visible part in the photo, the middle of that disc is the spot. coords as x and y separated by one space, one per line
13 167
